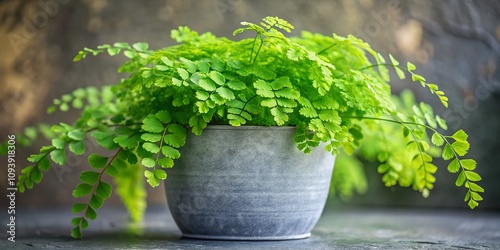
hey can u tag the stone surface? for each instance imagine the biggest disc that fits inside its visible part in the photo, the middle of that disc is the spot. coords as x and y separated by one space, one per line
338 228
248 183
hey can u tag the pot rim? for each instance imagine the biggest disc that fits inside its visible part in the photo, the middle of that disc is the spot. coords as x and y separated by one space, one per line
249 127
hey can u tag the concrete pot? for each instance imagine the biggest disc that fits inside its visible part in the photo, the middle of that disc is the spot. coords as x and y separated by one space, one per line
248 183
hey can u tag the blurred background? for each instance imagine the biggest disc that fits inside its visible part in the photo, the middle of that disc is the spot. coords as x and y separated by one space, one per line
453 43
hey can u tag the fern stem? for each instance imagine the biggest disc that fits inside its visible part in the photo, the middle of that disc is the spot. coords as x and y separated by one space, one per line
97 183
327 48
378 65
161 142
253 47
258 50
384 64
421 154
244 105
112 125
392 121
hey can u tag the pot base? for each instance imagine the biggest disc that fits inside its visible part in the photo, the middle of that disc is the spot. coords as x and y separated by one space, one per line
249 238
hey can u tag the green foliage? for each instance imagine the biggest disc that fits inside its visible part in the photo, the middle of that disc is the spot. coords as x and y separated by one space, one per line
407 160
325 86
166 138
94 187
130 187
348 177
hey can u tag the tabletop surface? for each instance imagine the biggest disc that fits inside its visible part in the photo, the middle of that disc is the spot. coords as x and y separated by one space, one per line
338 228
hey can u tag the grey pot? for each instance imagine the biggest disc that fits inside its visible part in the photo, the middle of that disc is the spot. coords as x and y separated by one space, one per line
247 183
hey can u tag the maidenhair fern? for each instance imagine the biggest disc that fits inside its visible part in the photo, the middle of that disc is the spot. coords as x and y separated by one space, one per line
326 86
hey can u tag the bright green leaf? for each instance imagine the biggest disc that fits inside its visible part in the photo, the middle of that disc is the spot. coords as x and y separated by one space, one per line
126 141
148 162
202 107
441 122
472 176
104 190
328 115
269 103
170 152
82 189
218 99
207 84
430 120
160 174
167 61
111 170
263 85
151 147
76 134
288 103
96 202
44 164
460 179
476 196
84 224
76 232
218 78
447 152
97 161
58 143
175 140
105 139
454 166
78 207
279 117
58 156
460 136
165 162
265 93
151 178
236 84
119 164
309 112
287 93
280 83
89 177
437 139
77 147
461 147
36 175
475 187
226 93
410 66
151 137
202 95
140 46
164 116
152 124
34 157
468 164
204 67
473 204
90 214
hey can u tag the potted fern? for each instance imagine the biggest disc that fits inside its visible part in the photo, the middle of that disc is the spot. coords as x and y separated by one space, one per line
252 127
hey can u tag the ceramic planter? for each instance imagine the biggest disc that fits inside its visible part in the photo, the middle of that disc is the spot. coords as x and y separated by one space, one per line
248 183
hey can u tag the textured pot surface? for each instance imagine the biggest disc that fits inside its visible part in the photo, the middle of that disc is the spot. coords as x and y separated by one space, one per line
248 183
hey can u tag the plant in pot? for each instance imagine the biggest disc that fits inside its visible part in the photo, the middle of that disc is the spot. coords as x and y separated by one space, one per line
252 127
